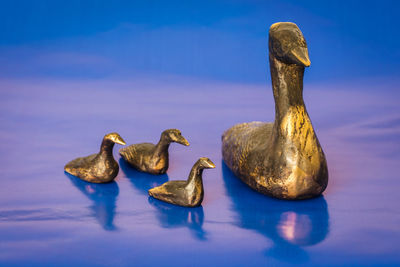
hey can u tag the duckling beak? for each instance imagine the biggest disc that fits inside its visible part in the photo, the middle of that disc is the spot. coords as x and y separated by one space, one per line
183 141
300 56
210 164
119 140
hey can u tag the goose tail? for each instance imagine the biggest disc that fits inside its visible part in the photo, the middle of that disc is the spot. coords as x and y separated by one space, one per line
237 142
231 150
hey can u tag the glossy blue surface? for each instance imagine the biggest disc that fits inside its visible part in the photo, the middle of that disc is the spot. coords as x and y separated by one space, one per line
49 218
63 85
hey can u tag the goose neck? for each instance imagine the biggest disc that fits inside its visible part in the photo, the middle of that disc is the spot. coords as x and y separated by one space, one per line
287 84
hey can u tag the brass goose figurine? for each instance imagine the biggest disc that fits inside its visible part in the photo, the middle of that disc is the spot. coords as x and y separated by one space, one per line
100 167
188 193
147 157
283 159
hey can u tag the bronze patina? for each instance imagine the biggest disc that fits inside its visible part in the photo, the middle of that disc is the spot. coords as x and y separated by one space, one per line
100 167
283 159
147 157
188 193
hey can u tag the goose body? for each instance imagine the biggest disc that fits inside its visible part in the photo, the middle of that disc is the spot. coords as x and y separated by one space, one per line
152 158
100 167
283 159
187 193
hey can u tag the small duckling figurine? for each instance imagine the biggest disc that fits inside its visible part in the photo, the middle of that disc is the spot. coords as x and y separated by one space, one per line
147 157
188 193
283 159
97 168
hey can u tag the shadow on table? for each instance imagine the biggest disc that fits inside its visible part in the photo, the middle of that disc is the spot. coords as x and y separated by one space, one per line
103 196
172 216
140 180
291 225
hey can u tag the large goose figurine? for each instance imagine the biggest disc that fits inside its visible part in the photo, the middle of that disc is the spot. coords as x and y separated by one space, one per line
100 167
283 159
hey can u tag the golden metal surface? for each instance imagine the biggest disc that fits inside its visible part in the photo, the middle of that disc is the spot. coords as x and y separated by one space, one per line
188 193
100 167
152 158
283 159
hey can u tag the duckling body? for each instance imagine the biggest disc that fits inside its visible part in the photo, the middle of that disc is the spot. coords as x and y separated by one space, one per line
152 158
188 193
283 159
100 167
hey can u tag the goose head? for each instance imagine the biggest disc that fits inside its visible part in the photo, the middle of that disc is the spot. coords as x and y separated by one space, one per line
205 163
114 138
174 135
287 44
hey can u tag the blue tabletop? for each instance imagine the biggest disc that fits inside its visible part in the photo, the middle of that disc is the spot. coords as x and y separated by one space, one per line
60 94
49 218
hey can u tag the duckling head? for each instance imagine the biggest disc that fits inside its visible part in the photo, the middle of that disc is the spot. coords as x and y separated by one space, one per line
115 138
205 163
287 44
174 135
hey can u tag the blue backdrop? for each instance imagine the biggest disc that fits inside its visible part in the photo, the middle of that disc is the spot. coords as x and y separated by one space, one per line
223 40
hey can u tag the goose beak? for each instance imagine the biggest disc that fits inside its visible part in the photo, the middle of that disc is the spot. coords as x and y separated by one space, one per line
300 56
183 141
119 140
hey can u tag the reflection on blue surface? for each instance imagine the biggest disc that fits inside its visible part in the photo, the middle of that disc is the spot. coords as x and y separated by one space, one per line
141 180
289 224
171 216
61 214
104 198
168 216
